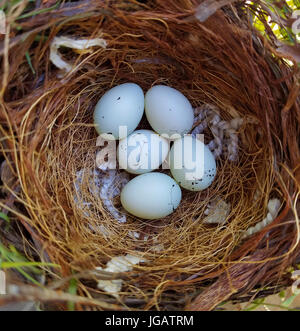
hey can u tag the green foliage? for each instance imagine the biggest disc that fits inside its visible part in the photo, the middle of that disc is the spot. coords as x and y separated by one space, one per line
8 4
10 258
281 9
28 58
255 304
4 217
39 11
72 290
29 10
288 301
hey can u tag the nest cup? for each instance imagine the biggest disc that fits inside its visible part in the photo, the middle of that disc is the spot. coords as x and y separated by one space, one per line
47 120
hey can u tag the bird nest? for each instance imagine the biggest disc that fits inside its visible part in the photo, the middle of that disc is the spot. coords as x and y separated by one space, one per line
236 238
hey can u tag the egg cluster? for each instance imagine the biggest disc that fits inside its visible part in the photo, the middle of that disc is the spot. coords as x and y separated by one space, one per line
152 195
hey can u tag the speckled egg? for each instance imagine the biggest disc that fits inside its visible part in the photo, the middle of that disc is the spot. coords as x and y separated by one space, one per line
192 164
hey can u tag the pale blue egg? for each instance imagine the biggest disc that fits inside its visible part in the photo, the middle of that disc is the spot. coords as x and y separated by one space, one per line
168 111
142 151
151 196
120 107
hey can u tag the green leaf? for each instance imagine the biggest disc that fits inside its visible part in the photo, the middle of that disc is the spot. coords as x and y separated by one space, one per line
289 301
10 265
255 304
29 62
11 3
41 38
4 217
39 11
10 258
72 290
